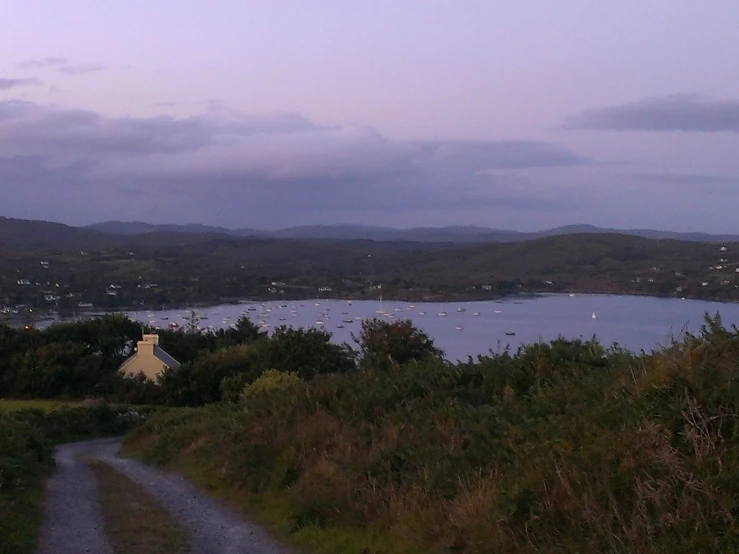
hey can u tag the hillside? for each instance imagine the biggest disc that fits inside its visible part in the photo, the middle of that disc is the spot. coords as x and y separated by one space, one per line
169 268
455 234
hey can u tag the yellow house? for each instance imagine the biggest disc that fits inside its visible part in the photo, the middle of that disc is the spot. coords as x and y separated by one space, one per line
149 359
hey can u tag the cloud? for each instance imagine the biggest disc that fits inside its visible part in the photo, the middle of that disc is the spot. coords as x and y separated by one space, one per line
679 112
6 84
683 178
41 63
62 64
81 69
225 166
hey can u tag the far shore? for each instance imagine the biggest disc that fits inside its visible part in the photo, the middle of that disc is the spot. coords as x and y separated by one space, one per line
18 320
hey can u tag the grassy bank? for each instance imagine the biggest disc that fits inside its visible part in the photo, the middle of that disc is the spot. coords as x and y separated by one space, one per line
560 447
27 437
13 405
25 460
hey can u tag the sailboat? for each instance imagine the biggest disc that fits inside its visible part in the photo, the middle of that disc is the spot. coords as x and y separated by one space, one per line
380 311
593 316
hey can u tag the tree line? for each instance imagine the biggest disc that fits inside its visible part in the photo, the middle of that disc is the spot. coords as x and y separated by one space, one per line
82 359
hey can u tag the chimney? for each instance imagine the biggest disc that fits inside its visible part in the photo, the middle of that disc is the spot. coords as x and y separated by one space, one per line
147 343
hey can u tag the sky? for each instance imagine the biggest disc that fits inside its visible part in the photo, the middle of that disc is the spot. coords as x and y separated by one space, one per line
520 115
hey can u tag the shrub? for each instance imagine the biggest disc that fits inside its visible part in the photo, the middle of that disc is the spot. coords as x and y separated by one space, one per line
25 460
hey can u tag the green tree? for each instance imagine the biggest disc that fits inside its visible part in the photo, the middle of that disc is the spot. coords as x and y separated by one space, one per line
305 352
199 382
383 344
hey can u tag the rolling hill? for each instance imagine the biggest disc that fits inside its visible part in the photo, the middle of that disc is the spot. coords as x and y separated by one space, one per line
452 234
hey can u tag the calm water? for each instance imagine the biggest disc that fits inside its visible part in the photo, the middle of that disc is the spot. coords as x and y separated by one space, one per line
472 328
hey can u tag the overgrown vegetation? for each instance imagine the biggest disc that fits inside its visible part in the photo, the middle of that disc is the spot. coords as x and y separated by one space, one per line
25 459
560 447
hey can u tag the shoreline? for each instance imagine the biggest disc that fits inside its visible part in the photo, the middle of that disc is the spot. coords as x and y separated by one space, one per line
18 320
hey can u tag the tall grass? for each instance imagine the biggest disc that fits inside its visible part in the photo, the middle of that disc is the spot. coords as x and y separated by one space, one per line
25 459
13 405
560 447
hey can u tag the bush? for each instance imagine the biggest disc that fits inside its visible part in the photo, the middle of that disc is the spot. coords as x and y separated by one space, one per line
271 385
25 461
383 344
560 447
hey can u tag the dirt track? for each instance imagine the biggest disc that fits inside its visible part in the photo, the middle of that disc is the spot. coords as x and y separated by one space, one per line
73 523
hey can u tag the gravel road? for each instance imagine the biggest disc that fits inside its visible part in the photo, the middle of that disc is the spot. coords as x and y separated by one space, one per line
73 523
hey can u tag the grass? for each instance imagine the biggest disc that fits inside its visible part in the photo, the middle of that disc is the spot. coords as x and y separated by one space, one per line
135 523
25 461
20 519
11 405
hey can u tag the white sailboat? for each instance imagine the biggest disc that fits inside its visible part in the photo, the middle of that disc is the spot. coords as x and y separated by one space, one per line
380 311
593 316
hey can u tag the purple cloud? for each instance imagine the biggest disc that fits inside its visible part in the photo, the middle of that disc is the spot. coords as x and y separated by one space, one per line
6 84
81 69
41 63
679 112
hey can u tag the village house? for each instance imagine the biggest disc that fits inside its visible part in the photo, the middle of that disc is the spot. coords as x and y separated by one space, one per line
148 359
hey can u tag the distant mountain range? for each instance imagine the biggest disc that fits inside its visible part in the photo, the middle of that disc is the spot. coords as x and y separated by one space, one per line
451 234
21 233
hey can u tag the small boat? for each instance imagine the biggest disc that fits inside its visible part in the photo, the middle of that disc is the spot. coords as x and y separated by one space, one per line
510 333
421 313
173 325
593 316
461 309
475 313
165 318
348 320
319 322
442 314
498 311
458 328
339 326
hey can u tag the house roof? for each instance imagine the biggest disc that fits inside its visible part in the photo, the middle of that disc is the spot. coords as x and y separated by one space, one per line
165 358
159 354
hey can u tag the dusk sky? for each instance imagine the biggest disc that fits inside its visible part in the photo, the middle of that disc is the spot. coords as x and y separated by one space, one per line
517 114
